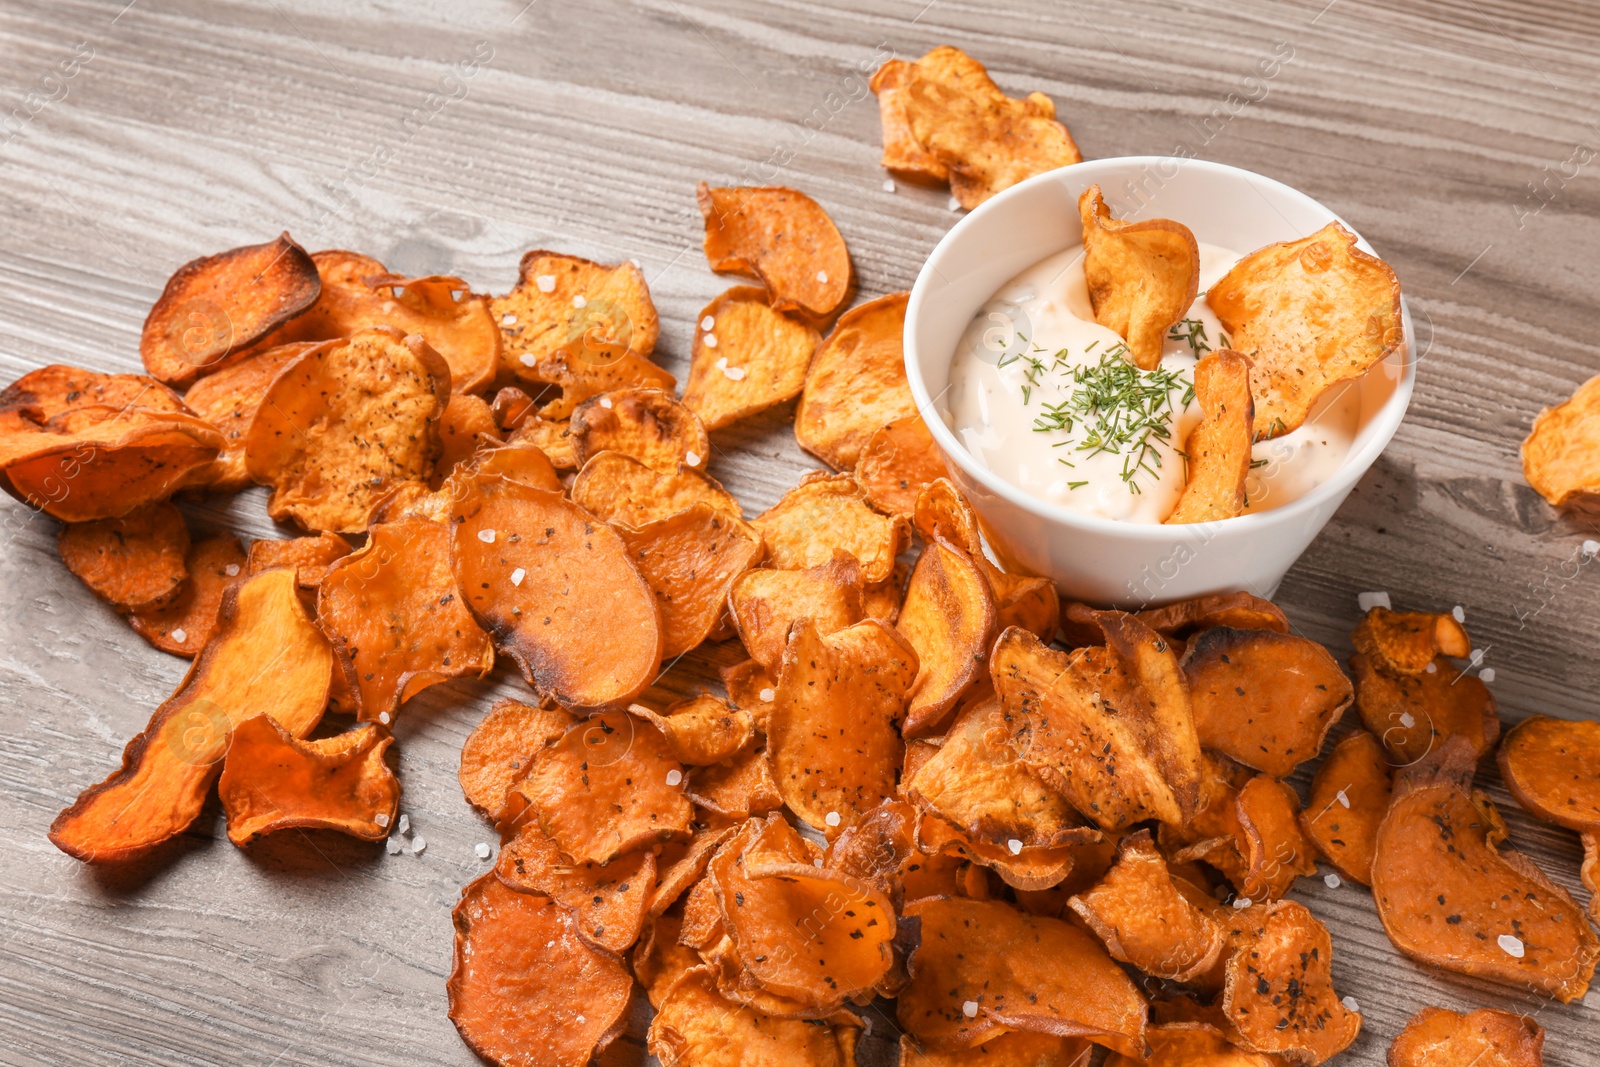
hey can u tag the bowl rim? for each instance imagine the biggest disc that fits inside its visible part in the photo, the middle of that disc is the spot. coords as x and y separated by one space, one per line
1386 420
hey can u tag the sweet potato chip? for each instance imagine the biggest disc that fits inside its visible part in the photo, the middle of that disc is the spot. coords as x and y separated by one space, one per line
133 563
903 155
835 749
949 619
985 140
856 384
553 437
266 658
466 425
526 989
646 424
502 747
1487 1037
823 515
681 865
1193 1045
344 423
272 781
605 788
80 445
1407 642
897 463
228 399
1008 1050
766 603
1218 449
702 730
218 305
879 848
1412 714
882 601
738 789
984 967
573 328
696 1025
1144 920
1110 727
394 617
607 902
184 626
750 687
803 932
1264 698
1550 766
558 592
690 560
1308 314
784 238
1561 456
658 959
1143 276
747 357
309 556
1026 868
1276 850
1241 611
619 488
1349 798
1279 992
1450 897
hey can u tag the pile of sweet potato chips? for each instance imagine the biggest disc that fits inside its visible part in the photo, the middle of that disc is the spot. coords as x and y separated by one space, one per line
1038 826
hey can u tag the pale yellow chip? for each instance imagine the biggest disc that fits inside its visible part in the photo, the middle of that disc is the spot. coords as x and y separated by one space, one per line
747 357
856 384
825 514
1142 276
1561 457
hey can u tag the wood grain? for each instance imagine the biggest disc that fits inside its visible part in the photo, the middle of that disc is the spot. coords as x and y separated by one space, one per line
198 126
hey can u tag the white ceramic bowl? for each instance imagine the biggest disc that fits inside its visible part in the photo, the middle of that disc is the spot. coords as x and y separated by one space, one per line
1103 561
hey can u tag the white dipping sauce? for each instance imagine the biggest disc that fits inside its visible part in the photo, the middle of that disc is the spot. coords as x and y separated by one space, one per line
1016 406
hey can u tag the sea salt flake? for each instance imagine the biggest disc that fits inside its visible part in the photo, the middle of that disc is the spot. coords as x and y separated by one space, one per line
392 846
1512 946
710 340
605 401
1242 903
546 283
692 458
768 696
1486 675
418 843
1351 1004
970 1009
180 636
1368 601
708 323
482 849
822 276
517 576
528 359
405 824
580 301
1433 668
733 374
1344 801
1458 613
383 717
1591 548
832 818
1015 846
1331 881
508 319
674 776
486 536
1407 720
231 570
954 205
382 818
888 185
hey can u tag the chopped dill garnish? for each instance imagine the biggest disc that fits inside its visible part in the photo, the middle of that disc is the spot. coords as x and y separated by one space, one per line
1256 464
1193 333
1076 485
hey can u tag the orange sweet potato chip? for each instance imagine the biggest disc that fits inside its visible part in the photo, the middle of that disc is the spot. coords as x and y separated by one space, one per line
856 383
1561 456
553 437
558 592
608 902
1349 798
681 865
985 140
701 730
882 601
690 560
526 988
466 426
766 603
647 424
184 626
309 556
394 617
903 155
1487 1037
1142 278
949 619
266 658
1549 766
1276 850
1193 1044
784 238
1308 314
825 514
878 848
1407 642
835 749
803 932
1450 897
621 489
747 357
344 423
1145 920
218 305
573 328
79 445
1264 698
606 787
1242 611
697 1024
272 781
228 399
1066 714
1279 993
897 463
502 747
134 562
737 789
1029 868
1218 449
1412 714
984 967
1008 1050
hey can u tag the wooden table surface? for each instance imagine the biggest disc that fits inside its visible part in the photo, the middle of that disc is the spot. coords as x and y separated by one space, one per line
1456 134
